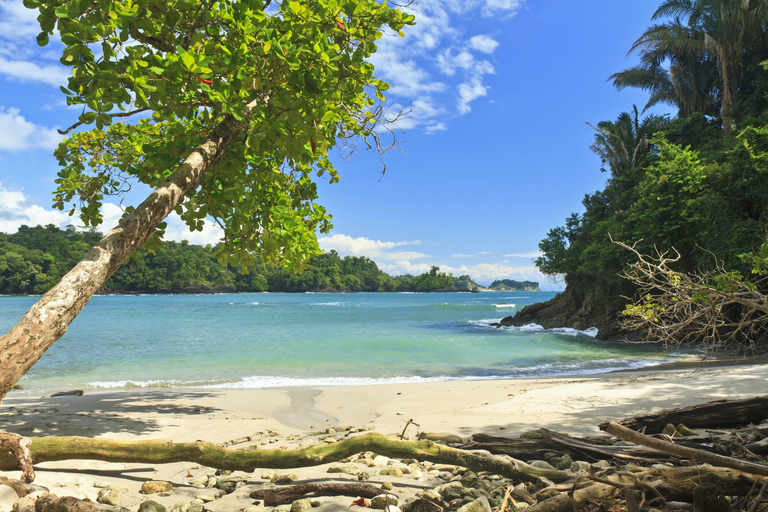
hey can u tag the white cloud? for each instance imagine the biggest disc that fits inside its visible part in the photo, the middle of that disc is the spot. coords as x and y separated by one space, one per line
27 71
468 92
438 43
17 20
374 249
17 210
18 134
530 254
463 255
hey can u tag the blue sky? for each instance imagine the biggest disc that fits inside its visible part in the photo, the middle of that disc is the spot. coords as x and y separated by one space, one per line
493 154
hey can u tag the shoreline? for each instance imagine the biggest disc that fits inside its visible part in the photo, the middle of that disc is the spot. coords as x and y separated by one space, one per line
296 417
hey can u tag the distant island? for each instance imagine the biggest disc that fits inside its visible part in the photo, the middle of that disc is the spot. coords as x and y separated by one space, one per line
34 259
510 285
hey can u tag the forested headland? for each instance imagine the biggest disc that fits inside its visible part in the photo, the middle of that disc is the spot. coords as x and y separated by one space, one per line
694 184
34 259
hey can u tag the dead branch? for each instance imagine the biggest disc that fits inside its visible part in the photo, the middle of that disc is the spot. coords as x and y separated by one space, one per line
713 308
685 452
19 447
52 503
278 495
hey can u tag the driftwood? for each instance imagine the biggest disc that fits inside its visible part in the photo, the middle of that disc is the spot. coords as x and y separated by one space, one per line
67 448
20 448
278 495
521 448
720 413
685 452
619 452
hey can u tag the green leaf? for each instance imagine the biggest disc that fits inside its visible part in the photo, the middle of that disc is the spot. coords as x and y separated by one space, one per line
42 38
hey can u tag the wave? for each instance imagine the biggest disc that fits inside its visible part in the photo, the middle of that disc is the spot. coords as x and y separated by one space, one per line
506 305
565 369
261 382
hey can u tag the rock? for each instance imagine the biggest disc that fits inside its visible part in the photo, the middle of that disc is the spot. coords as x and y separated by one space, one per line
109 496
155 486
381 501
670 430
391 472
284 479
469 479
581 467
269 476
255 508
417 474
379 460
441 438
520 505
180 507
25 504
100 485
457 503
282 508
363 476
316 502
74 392
392 508
195 506
429 494
349 468
561 463
544 482
602 464
541 464
423 505
453 490
151 506
387 486
207 498
301 505
478 493
685 431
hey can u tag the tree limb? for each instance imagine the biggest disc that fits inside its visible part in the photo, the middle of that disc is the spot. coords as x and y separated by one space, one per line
277 495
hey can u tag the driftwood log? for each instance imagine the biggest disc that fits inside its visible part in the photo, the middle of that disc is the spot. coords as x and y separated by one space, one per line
720 413
19 447
157 452
685 452
52 503
275 496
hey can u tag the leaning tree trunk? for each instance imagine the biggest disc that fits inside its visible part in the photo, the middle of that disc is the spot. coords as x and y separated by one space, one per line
47 320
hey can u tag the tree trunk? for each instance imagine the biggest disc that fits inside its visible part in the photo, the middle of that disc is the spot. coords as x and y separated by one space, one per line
47 320
275 496
726 106
160 452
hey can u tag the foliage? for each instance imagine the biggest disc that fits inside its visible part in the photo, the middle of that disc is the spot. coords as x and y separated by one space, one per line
34 259
184 66
512 285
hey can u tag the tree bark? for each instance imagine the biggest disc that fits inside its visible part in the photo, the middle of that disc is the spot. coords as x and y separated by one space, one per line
720 413
52 503
47 320
160 452
277 495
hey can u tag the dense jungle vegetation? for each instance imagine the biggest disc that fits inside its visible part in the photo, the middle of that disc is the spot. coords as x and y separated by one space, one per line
697 181
34 259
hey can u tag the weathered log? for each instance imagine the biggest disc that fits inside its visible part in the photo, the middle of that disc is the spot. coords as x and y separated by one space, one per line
158 452
277 495
619 452
720 413
22 488
521 448
685 452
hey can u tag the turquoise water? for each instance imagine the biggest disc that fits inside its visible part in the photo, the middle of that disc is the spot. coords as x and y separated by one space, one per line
273 340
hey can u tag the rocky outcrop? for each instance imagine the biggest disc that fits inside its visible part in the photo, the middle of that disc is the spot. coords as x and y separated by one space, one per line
510 285
585 303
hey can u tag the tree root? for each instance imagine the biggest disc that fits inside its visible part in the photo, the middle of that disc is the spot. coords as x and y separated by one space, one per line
279 495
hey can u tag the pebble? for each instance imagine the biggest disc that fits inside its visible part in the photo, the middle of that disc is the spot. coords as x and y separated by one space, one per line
109 496
381 501
269 476
255 508
396 472
387 486
180 507
282 508
316 502
284 479
363 476
151 506
301 505
154 486
379 460
100 485
349 468
417 474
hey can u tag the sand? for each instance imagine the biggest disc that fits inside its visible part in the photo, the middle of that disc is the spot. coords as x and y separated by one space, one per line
277 418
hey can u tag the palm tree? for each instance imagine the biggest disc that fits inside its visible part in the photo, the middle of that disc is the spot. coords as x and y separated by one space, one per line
690 80
621 143
706 38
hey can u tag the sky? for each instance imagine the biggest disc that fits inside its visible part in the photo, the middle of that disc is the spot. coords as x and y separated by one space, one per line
493 153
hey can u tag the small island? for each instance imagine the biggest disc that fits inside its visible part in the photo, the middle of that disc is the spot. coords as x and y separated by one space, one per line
510 285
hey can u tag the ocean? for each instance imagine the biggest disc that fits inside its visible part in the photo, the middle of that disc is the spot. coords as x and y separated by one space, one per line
272 340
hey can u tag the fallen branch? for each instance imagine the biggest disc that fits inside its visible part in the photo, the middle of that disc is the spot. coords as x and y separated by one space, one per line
275 496
619 452
720 413
685 452
158 452
52 503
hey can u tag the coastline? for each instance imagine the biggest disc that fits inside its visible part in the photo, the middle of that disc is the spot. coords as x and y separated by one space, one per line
281 418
